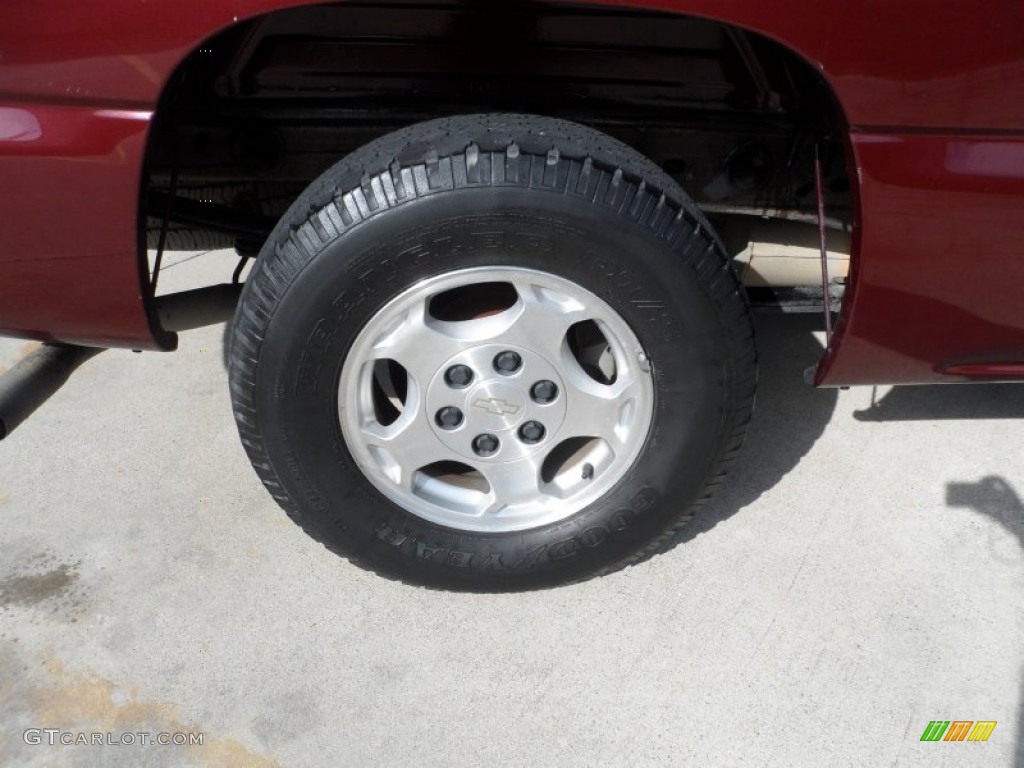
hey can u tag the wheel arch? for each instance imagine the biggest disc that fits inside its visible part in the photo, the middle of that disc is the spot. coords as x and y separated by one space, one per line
777 28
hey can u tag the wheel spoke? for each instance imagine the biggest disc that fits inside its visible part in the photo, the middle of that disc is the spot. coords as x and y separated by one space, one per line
600 410
416 344
512 484
545 319
404 446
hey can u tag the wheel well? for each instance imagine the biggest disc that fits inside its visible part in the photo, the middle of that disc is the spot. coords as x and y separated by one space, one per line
258 111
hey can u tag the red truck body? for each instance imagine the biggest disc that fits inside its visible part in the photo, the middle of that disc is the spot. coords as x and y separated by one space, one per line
931 94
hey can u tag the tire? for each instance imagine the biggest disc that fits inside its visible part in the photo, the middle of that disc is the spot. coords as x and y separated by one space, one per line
576 223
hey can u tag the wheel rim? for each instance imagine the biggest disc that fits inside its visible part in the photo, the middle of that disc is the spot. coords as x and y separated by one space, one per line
495 399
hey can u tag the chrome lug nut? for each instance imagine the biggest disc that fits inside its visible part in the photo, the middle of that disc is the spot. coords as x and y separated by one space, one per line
448 417
485 445
458 376
544 392
507 362
532 432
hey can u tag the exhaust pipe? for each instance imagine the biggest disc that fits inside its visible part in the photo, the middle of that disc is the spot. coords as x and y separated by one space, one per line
188 310
35 379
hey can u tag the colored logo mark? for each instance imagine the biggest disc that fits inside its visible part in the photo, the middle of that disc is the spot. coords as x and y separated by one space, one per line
958 730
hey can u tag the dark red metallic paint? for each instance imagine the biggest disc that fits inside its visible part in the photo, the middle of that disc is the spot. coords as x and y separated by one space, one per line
931 92
69 257
941 261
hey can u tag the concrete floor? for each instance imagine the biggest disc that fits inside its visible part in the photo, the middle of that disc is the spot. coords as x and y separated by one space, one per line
859 577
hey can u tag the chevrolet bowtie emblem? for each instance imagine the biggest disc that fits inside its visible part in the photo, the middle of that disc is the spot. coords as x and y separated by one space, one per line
497 405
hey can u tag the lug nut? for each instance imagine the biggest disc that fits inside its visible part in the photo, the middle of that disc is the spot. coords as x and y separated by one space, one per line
531 432
448 417
507 362
544 392
485 445
458 376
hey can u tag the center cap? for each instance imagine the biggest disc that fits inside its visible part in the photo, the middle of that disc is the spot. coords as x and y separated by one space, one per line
496 405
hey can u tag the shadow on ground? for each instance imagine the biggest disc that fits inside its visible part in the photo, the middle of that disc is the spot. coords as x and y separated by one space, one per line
933 403
789 417
994 497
